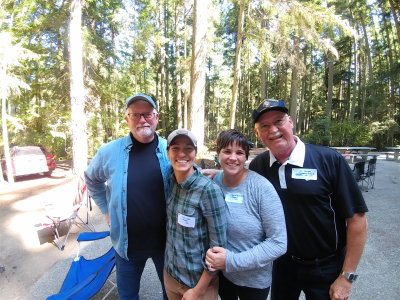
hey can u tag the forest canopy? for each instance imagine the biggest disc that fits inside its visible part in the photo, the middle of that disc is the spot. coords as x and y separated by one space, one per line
335 63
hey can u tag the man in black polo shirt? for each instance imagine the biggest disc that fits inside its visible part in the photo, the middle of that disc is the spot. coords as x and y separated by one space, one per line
324 210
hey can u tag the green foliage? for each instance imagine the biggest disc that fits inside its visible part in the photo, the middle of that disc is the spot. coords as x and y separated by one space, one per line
386 133
318 134
123 46
341 133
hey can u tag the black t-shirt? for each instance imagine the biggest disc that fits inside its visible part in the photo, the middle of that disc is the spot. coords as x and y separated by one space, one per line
146 214
315 210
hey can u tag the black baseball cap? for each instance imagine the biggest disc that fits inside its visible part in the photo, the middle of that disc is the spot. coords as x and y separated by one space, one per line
268 105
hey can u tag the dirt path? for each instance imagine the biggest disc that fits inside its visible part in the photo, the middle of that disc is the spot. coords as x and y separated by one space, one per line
22 258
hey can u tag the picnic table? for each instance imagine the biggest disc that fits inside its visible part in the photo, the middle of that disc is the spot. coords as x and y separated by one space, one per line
396 152
351 157
362 150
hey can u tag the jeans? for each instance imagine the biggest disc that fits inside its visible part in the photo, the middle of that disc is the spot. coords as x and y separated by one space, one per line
230 291
129 272
289 278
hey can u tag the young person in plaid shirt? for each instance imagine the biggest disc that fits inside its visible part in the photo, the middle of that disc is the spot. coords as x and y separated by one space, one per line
196 221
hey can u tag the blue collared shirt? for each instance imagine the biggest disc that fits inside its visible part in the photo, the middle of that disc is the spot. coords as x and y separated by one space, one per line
106 179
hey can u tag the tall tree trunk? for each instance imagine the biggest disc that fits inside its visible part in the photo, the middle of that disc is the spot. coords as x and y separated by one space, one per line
198 71
309 94
303 94
294 86
236 72
348 89
162 68
186 78
329 92
363 85
302 111
166 68
355 82
77 92
368 58
3 93
390 66
263 83
179 119
395 8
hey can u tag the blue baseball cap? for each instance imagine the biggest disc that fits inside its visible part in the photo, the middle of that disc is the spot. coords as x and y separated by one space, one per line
141 97
268 105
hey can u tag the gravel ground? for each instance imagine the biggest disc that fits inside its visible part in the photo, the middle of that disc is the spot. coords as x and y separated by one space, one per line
379 268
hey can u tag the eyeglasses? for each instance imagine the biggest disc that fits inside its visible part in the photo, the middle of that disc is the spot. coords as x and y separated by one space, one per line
137 116
277 123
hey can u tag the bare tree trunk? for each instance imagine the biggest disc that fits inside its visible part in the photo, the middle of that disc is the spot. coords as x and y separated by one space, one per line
162 68
391 63
309 94
236 76
198 71
166 69
368 59
363 85
263 83
186 78
294 86
10 175
355 82
348 91
395 8
179 119
303 92
330 91
77 92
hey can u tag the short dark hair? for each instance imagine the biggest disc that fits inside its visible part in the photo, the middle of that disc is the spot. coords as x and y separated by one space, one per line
231 136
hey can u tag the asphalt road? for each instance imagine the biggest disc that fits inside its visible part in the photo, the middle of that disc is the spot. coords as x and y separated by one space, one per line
30 270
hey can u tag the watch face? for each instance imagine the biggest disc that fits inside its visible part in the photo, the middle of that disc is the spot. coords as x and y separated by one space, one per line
350 276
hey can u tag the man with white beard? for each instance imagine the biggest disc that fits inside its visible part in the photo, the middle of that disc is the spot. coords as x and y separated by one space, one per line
128 180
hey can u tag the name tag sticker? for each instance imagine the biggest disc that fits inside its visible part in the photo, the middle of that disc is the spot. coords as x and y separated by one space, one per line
234 198
186 221
306 174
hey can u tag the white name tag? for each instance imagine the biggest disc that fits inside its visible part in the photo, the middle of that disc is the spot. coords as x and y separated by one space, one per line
234 198
306 174
186 221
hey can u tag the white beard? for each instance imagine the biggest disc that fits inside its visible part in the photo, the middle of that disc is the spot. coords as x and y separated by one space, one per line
144 132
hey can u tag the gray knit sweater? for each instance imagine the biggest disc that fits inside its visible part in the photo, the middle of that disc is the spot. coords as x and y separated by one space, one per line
256 231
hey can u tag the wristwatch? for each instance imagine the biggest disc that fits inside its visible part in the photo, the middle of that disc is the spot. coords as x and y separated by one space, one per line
350 276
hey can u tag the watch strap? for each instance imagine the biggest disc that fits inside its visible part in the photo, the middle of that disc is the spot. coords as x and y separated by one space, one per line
350 276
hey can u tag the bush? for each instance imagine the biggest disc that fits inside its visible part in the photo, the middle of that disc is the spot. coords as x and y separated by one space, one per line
344 133
385 133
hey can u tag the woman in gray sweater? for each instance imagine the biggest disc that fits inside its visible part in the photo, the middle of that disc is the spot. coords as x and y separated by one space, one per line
256 224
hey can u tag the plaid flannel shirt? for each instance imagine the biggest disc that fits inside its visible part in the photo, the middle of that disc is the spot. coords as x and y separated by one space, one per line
197 203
